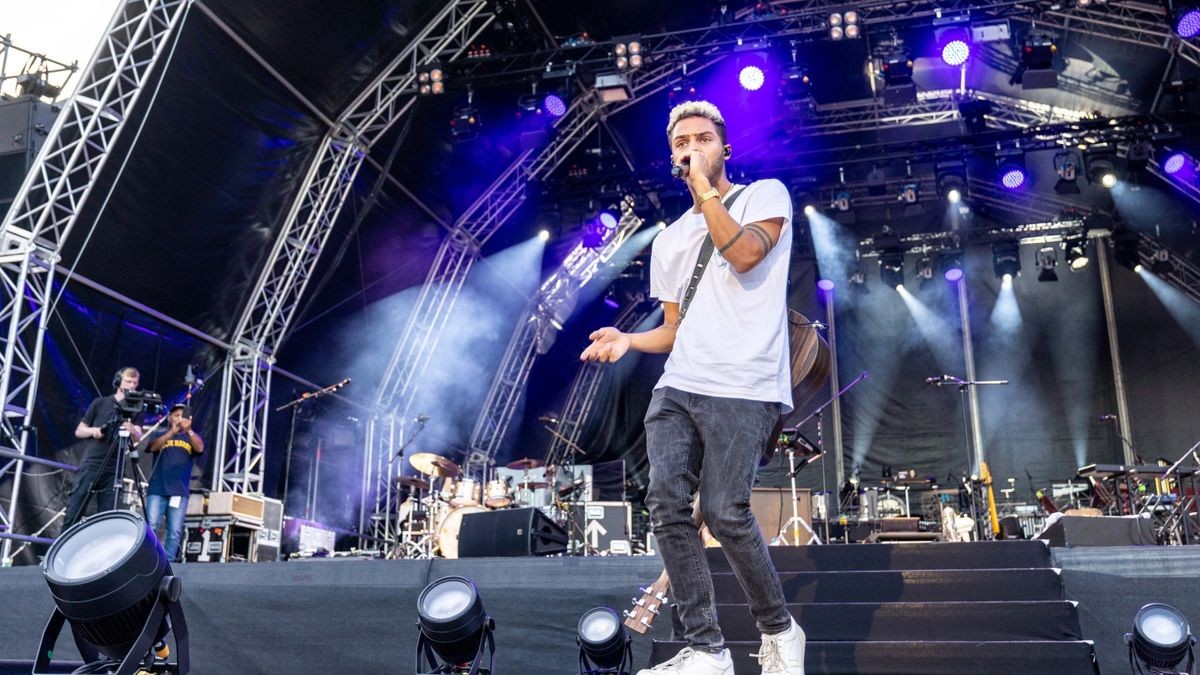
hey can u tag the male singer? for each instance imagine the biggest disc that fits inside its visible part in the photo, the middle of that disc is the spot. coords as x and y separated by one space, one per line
97 470
725 384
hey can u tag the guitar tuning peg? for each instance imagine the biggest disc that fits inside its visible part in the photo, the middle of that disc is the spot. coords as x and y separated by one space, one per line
643 590
653 610
627 614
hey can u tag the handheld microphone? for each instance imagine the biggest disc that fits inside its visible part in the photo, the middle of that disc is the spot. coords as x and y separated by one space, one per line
678 169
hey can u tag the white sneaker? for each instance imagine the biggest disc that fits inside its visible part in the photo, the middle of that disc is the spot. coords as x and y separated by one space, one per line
783 654
694 662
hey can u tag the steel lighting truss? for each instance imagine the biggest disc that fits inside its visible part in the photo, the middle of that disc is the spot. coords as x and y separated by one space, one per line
584 389
49 201
1184 275
266 317
536 327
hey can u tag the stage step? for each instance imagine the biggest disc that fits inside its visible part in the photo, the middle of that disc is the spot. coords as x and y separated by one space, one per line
906 586
1073 657
900 621
907 556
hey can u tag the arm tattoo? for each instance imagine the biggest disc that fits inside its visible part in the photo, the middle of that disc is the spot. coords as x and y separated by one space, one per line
731 242
764 239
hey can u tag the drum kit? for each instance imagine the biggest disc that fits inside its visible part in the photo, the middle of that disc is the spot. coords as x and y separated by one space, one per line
431 517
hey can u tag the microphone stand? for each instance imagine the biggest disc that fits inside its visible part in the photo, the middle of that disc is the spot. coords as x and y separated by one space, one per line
964 386
295 406
821 449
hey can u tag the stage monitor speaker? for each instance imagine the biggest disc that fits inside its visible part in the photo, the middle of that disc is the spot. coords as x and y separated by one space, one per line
1071 531
510 532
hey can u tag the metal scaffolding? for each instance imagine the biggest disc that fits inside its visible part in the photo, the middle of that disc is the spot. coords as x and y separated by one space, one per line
534 333
266 317
586 386
50 199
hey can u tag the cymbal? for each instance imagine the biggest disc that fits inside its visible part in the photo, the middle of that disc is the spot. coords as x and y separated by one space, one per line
434 465
525 464
412 482
533 485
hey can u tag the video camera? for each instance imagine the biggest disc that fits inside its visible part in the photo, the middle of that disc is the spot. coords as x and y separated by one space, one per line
139 402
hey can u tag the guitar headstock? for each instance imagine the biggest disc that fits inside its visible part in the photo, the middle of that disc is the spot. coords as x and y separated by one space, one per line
646 609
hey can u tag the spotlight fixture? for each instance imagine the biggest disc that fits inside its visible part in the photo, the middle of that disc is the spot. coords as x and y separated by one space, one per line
111 580
1010 168
554 103
1047 259
33 84
1125 247
796 83
431 79
1160 639
1101 164
454 628
597 230
896 68
826 285
604 644
613 88
1160 263
974 115
1174 162
1066 165
751 78
627 52
1006 259
844 25
891 268
1186 19
543 234
841 199
924 270
465 123
955 46
910 193
951 180
1075 252
1036 70
950 264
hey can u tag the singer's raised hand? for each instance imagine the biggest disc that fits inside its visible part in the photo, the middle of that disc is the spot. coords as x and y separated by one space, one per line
608 345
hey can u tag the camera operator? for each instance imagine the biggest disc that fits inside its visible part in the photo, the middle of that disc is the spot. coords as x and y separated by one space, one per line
176 448
100 424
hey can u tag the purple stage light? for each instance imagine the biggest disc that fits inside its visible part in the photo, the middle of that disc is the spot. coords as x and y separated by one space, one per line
554 105
608 219
752 78
825 285
1012 178
956 52
953 274
1174 163
611 302
1188 24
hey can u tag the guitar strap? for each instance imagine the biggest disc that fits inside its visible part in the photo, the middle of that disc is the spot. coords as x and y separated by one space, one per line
706 251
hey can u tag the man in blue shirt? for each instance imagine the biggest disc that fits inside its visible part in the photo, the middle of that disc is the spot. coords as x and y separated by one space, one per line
176 448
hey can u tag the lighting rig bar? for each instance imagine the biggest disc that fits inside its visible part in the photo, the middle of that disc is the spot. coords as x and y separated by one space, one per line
1184 276
804 24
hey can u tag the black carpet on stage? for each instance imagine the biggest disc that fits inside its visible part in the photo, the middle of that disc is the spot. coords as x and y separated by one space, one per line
349 615
356 615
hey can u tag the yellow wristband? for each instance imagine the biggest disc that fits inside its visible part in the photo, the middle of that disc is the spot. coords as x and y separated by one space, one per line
713 192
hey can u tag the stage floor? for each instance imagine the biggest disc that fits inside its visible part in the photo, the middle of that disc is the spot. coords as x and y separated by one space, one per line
345 615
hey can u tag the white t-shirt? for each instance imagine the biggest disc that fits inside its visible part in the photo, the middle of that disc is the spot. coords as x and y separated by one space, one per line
733 341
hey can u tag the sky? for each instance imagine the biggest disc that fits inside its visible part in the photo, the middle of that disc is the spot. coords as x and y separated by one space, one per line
64 30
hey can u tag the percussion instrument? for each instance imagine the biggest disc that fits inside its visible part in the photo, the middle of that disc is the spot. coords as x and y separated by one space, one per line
497 494
446 539
434 465
466 492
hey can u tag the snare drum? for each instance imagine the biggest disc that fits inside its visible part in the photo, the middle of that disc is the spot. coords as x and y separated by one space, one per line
446 539
497 494
466 492
890 507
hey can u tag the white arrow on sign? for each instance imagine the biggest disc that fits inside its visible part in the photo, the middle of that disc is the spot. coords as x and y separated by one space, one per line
593 531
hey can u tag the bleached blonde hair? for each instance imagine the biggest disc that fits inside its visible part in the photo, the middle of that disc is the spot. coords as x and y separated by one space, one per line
697 109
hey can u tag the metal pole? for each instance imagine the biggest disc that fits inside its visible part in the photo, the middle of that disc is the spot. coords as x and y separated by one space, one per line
1114 351
835 432
972 392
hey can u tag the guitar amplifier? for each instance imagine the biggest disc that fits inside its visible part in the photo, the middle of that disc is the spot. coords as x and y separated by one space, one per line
246 507
602 527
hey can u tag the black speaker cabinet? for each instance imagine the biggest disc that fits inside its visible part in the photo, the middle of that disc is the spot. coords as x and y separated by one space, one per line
510 532
1071 531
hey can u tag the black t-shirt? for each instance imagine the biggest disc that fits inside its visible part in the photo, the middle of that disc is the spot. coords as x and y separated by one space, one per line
101 412
173 467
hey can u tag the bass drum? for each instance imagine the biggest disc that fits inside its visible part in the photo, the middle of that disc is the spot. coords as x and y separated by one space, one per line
447 530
